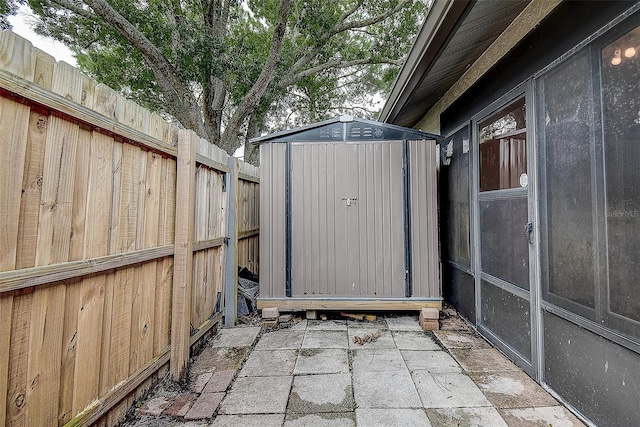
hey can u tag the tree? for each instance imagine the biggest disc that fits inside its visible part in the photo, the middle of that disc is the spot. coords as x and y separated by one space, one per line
231 69
7 8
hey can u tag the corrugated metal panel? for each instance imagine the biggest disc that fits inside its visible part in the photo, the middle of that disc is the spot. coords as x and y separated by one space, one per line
346 247
424 224
272 220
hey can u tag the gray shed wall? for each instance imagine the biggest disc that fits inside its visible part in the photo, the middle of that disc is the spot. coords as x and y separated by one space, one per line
424 219
272 220
355 251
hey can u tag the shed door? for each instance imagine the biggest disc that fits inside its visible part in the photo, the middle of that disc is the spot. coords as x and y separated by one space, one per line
347 220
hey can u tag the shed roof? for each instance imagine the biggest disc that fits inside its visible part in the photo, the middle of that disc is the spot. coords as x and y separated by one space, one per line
453 36
345 128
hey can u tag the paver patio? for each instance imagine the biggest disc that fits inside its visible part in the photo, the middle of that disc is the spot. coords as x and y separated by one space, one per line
314 374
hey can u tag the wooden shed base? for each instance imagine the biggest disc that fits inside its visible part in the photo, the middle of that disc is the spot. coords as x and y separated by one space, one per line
387 304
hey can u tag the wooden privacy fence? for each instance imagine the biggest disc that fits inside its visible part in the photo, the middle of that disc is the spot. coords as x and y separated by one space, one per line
117 234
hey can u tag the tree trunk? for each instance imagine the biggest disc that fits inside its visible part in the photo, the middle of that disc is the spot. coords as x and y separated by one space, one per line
257 91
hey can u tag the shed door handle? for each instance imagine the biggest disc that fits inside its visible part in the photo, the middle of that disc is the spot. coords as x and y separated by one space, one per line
350 200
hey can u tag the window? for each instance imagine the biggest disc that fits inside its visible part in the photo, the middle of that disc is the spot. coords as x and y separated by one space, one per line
588 125
503 148
565 133
454 182
620 83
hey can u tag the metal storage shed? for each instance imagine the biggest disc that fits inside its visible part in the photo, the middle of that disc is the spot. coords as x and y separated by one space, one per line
348 217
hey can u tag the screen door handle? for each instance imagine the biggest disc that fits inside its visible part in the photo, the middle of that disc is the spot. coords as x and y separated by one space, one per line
528 230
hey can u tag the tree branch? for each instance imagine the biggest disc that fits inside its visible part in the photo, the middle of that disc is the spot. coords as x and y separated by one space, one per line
175 90
75 9
337 64
373 20
351 11
343 26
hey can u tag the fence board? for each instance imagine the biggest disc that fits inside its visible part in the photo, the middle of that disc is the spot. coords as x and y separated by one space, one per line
44 355
121 325
31 190
69 346
18 355
45 64
17 56
105 356
57 193
146 323
164 268
14 120
89 347
80 195
6 308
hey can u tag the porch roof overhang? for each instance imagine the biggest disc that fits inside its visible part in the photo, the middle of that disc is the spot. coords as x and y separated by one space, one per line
454 35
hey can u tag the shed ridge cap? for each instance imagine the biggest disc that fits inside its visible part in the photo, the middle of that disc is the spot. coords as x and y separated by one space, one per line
345 120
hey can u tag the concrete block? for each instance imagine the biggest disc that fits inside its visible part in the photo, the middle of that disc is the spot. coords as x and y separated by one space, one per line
280 340
312 315
236 337
270 313
455 339
205 406
262 363
323 393
326 419
265 420
454 390
325 339
482 360
270 323
322 361
474 417
385 390
285 318
542 416
404 323
380 360
327 325
391 417
430 325
257 395
430 313
414 340
431 361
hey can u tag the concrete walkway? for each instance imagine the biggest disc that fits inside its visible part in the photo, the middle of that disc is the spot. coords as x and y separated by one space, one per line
313 374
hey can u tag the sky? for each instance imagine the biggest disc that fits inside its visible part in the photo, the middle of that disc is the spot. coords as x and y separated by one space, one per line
22 27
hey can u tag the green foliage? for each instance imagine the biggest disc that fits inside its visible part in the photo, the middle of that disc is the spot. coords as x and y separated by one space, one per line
8 8
332 61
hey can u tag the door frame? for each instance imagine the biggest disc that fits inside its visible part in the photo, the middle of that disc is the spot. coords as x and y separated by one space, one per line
525 90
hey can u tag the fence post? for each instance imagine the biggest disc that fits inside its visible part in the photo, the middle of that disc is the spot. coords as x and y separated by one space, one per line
231 260
183 256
